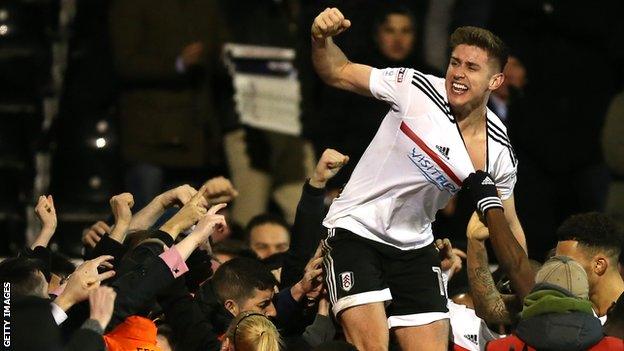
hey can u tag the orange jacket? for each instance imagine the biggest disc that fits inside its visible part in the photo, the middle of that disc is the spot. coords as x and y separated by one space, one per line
134 334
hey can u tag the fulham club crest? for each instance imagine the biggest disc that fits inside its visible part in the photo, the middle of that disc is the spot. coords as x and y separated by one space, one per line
346 280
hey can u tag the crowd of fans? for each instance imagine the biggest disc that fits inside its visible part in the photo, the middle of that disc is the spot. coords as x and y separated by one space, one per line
172 276
236 262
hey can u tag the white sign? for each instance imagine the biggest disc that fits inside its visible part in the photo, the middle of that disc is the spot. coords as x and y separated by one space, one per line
267 93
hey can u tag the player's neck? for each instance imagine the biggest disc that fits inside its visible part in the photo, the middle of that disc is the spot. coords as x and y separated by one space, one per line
472 120
470 114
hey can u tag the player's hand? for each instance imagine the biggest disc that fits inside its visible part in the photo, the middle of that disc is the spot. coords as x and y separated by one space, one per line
329 23
450 261
476 229
93 235
46 213
220 190
482 190
177 196
121 205
327 167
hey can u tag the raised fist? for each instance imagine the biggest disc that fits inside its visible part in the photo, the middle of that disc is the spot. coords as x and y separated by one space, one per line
121 206
177 196
219 190
329 23
330 163
46 213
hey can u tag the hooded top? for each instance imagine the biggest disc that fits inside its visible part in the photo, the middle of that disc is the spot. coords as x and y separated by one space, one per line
554 320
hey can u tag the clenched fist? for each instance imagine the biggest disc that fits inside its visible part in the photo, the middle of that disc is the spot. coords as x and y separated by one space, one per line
329 23
121 206
330 163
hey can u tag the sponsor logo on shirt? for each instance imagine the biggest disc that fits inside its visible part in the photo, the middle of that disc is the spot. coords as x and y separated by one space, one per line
430 170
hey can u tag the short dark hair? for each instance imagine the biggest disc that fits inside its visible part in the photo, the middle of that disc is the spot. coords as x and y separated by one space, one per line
594 230
386 10
265 218
237 278
21 272
61 265
484 39
234 248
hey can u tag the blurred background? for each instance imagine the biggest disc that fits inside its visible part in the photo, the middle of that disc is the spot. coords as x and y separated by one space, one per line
104 96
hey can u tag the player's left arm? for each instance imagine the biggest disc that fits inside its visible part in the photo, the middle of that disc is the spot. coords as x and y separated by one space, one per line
514 223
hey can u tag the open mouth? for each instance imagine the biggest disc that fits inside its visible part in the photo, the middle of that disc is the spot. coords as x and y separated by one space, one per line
459 88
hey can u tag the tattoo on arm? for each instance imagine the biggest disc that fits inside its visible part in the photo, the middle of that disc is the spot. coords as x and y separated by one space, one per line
489 303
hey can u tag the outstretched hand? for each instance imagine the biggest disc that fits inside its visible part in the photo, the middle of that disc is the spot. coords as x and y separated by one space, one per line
209 224
329 23
83 280
327 167
189 214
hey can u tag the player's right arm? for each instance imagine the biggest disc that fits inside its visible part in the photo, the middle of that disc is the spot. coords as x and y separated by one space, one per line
330 62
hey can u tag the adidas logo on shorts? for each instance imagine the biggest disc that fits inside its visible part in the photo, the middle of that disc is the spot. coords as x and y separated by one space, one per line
487 181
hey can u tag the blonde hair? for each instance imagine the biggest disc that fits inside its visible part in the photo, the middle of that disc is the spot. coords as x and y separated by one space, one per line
253 331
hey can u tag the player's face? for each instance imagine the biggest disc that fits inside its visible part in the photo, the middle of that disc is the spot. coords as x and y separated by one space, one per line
470 76
395 37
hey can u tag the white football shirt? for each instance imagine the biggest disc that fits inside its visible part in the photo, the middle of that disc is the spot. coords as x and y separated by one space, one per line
414 164
469 331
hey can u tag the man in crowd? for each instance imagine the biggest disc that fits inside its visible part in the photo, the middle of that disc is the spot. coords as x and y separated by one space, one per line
437 132
594 240
557 314
268 235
